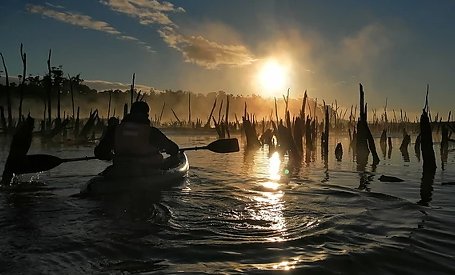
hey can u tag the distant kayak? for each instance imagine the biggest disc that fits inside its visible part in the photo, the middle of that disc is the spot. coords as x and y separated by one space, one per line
137 179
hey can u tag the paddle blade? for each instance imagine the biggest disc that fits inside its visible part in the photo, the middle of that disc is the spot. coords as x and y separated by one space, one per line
228 145
36 163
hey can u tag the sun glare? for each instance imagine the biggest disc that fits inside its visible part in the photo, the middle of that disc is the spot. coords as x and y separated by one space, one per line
273 77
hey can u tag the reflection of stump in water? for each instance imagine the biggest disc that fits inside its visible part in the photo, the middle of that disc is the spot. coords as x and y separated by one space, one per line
389 142
405 155
404 146
426 187
339 152
383 146
383 142
444 146
417 147
365 179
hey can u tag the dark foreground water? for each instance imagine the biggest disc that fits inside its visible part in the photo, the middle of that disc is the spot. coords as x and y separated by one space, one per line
235 213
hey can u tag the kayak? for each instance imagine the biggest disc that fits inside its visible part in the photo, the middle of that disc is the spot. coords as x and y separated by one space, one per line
113 180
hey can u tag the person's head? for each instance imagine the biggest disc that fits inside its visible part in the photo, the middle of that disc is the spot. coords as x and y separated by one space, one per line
140 108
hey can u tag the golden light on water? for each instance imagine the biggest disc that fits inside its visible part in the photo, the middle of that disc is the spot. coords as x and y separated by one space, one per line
285 265
274 167
269 204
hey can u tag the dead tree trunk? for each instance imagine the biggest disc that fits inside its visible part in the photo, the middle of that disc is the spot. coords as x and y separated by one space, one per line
326 134
429 160
207 125
3 120
109 105
132 89
365 142
8 96
24 72
189 109
49 91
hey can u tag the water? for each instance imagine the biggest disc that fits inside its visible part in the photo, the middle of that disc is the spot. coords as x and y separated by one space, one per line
244 212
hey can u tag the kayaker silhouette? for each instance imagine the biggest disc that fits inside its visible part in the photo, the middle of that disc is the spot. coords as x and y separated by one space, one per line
134 141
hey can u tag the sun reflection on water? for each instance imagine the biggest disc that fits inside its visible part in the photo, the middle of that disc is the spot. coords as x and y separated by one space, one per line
268 202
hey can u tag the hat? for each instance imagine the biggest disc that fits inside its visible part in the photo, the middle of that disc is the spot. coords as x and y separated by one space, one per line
140 107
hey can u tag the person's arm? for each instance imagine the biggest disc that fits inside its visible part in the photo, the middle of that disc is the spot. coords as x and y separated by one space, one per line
162 142
103 150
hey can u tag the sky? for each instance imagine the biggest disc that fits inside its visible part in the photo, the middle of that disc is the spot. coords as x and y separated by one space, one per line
394 48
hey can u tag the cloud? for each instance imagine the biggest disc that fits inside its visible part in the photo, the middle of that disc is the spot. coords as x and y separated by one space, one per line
76 19
85 22
195 49
209 54
147 11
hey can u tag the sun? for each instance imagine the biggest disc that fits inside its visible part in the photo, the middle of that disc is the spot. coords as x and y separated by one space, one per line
272 77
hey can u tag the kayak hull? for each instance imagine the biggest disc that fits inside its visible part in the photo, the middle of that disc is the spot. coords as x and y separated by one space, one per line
112 181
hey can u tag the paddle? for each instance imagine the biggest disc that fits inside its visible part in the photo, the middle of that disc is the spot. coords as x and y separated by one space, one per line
228 145
41 162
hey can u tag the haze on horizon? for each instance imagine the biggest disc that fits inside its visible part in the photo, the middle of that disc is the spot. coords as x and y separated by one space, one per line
394 48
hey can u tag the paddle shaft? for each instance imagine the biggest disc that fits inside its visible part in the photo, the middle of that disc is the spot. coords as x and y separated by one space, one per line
193 148
78 159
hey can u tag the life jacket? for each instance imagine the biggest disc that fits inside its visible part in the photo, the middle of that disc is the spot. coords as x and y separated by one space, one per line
133 140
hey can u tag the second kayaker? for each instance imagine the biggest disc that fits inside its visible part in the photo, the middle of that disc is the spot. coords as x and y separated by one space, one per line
134 141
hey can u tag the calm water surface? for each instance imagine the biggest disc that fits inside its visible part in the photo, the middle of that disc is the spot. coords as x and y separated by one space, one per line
244 212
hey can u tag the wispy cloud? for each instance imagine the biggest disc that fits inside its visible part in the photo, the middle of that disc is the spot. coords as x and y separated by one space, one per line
209 54
83 21
195 49
147 11
76 19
